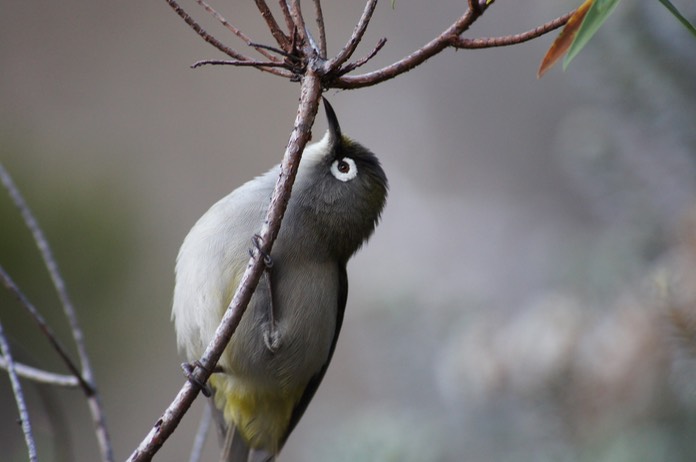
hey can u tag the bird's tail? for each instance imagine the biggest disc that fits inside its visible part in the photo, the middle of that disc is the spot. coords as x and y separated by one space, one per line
234 448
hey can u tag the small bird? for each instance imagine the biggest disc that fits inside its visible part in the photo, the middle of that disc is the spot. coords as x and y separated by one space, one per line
282 347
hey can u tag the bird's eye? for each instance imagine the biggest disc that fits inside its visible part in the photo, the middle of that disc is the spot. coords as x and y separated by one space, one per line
344 169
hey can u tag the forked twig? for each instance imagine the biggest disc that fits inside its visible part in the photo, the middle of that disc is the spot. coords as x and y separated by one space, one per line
86 377
279 36
228 62
356 64
232 28
355 38
19 397
505 40
298 20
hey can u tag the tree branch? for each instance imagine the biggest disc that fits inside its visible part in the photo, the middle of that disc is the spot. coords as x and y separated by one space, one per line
279 36
19 397
416 58
490 42
201 434
86 377
309 103
233 29
322 29
355 38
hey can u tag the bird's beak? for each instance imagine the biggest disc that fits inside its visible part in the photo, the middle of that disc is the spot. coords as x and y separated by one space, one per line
334 127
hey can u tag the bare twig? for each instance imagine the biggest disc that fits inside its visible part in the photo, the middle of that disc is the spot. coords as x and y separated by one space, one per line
298 20
206 36
322 29
355 38
356 64
416 58
280 37
227 62
233 29
490 42
201 434
19 397
41 376
309 103
86 377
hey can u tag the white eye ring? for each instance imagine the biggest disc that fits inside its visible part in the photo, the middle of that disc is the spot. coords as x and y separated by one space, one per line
338 169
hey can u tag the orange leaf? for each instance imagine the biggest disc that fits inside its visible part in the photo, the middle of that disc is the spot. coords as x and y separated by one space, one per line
564 39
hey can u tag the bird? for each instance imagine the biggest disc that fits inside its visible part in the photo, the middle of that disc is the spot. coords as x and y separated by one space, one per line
279 353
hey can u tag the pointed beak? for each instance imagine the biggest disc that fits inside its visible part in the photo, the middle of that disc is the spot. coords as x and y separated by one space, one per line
334 127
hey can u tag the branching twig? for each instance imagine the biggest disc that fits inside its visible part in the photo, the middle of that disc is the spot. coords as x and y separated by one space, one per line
227 62
280 37
356 64
41 376
233 29
86 377
490 42
19 397
298 20
309 101
355 38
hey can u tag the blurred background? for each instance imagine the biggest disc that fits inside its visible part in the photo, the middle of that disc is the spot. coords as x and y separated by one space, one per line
530 294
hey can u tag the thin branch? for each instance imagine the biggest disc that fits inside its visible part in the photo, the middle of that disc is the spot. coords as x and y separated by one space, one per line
355 38
309 103
226 62
206 36
41 376
416 58
490 42
86 377
233 29
19 397
286 14
10 285
322 29
201 434
279 36
354 65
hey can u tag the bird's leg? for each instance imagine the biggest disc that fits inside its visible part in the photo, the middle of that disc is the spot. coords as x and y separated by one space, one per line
271 335
188 372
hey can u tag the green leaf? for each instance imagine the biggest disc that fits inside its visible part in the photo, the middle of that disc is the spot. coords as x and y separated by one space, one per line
685 22
596 15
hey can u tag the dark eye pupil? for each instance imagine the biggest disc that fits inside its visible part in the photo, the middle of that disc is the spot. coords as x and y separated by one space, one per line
343 166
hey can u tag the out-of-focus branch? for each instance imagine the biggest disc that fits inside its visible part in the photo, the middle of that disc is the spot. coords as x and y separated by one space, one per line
309 103
41 376
201 434
86 377
19 397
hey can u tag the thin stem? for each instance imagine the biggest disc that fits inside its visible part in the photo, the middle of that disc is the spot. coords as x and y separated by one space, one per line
322 29
280 37
206 36
355 38
86 377
259 64
19 397
298 20
201 434
309 104
354 65
41 376
286 14
232 28
490 42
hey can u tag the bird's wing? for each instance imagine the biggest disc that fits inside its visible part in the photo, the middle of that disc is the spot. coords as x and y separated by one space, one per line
314 382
